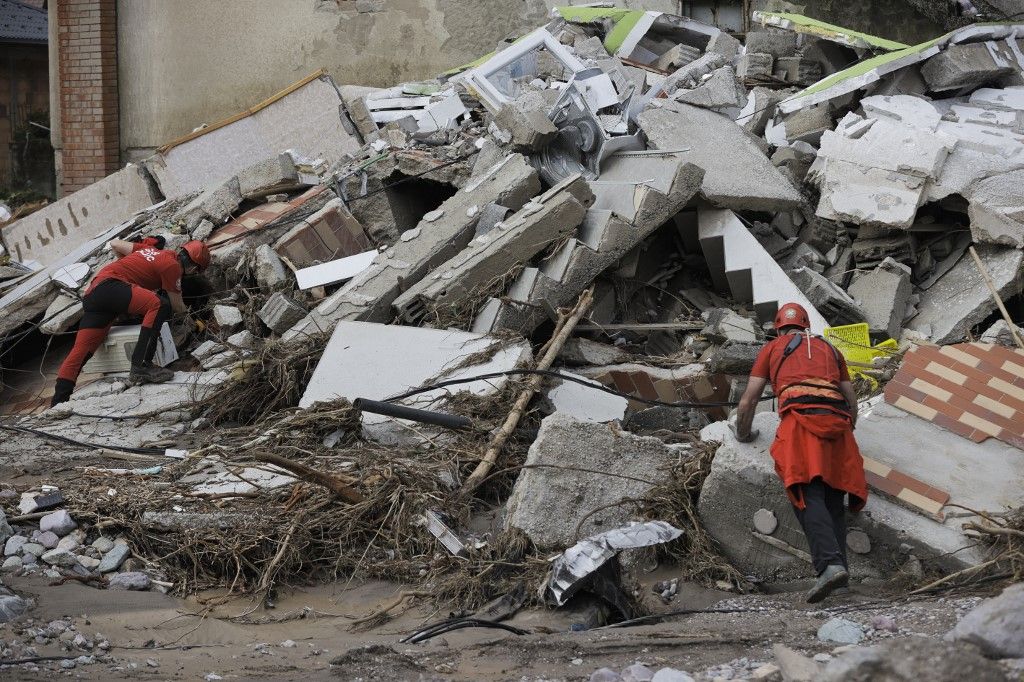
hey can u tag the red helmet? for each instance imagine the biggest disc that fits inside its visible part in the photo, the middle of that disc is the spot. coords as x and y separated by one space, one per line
792 315
198 252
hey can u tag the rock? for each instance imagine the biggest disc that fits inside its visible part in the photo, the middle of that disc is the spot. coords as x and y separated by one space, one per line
525 118
11 564
725 325
605 675
228 317
547 503
34 548
70 543
49 539
733 358
288 644
134 580
60 557
14 544
88 562
765 521
769 672
671 675
11 606
884 623
912 659
103 544
996 626
858 542
841 631
113 559
59 522
68 664
794 666
637 673
5 528
268 269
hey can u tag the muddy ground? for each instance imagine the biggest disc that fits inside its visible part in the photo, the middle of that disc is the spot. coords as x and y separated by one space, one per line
309 636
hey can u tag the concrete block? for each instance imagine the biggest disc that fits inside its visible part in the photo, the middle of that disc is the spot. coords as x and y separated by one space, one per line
280 312
689 76
376 361
807 125
737 174
308 119
724 44
957 301
586 404
760 107
776 43
489 257
268 269
916 112
827 297
677 57
216 203
548 503
883 294
754 65
270 176
999 333
798 70
591 48
63 314
996 626
56 230
867 196
719 91
228 317
369 295
725 325
743 481
996 210
965 65
525 118
733 358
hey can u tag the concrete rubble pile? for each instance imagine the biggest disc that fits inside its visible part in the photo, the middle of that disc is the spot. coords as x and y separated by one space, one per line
432 231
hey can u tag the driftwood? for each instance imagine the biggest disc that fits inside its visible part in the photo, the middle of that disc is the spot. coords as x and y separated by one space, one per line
339 487
566 323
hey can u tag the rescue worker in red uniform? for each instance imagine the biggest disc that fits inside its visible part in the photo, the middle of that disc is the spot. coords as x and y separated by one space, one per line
815 453
130 285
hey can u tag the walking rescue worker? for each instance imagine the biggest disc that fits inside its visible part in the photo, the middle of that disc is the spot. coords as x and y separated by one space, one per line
130 285
815 453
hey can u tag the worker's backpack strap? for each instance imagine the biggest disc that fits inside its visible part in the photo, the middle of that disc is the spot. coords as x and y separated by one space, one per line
790 348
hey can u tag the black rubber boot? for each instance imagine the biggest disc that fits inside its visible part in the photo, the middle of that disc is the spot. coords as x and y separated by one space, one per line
145 348
62 391
149 374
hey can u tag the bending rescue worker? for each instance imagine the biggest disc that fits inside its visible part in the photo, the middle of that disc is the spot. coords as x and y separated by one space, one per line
815 453
145 280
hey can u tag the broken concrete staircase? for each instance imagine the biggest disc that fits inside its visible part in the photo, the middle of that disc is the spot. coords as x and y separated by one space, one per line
625 212
740 264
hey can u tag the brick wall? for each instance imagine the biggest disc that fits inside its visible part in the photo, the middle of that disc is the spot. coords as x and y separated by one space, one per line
87 68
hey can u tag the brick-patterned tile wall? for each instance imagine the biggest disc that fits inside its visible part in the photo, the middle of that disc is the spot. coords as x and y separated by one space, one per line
87 68
973 389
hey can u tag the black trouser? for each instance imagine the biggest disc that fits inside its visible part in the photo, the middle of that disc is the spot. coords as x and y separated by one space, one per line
823 519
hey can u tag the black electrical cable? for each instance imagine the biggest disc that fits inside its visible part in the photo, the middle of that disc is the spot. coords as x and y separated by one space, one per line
72 441
565 377
458 624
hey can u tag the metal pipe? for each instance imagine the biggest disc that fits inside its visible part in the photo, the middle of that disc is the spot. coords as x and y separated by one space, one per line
448 421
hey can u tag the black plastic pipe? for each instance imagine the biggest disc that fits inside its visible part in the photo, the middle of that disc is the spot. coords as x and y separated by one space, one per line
448 421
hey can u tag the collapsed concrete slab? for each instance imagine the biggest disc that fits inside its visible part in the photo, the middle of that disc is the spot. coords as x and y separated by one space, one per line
52 232
883 294
958 300
439 236
743 481
827 297
491 256
307 117
964 66
377 361
719 91
625 212
586 404
996 210
549 502
737 174
270 176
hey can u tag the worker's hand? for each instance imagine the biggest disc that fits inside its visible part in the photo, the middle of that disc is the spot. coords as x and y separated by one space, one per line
750 438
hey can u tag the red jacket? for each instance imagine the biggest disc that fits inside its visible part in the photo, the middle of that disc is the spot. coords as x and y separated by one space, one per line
146 267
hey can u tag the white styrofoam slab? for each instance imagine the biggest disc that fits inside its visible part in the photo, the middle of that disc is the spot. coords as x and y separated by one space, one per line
334 271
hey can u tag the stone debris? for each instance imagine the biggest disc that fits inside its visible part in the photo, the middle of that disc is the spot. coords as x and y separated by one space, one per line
397 259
